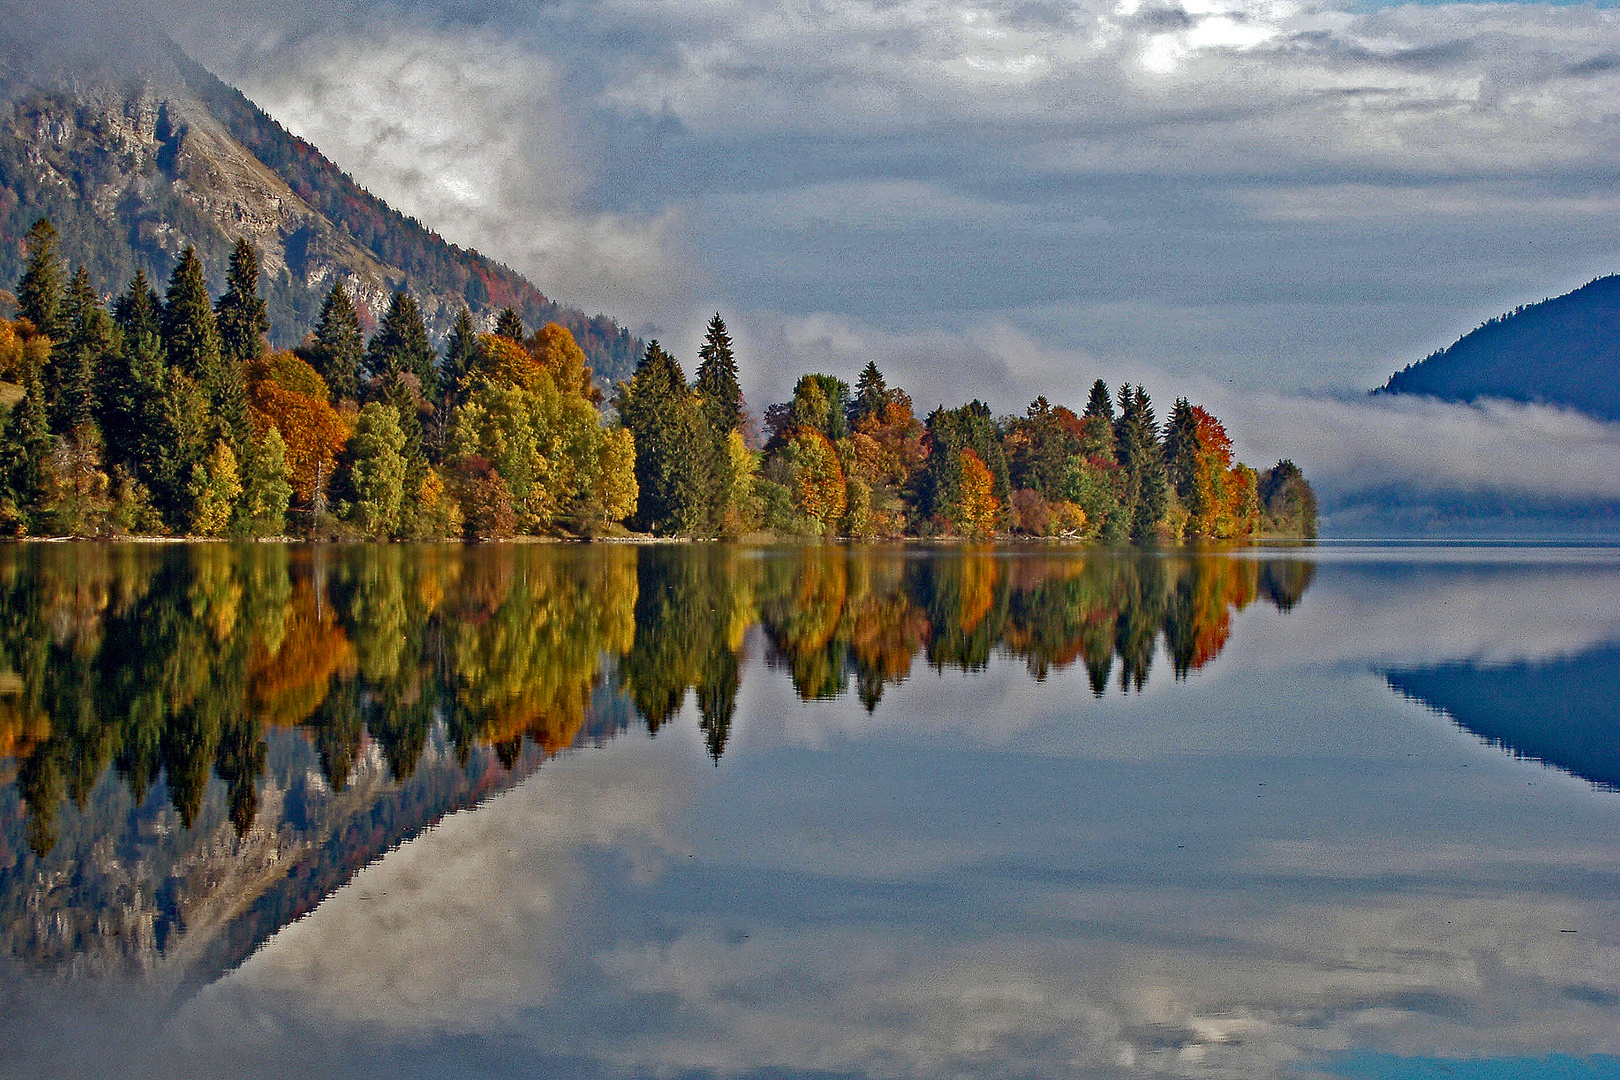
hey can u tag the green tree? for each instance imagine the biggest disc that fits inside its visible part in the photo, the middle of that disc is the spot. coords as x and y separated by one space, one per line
376 471
190 335
41 287
89 343
262 510
240 312
664 418
339 346
26 444
509 325
717 380
401 342
1147 486
460 354
131 384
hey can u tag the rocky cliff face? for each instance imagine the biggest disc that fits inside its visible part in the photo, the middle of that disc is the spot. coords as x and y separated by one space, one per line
134 164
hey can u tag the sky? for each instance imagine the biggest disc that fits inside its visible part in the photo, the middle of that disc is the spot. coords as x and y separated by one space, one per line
1281 201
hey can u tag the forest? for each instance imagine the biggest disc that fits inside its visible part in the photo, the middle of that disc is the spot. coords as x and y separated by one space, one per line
171 416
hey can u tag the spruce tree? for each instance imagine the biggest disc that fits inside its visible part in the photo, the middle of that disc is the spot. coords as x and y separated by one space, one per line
133 386
717 380
26 443
190 335
871 394
40 291
660 413
1181 453
460 353
401 342
339 346
90 340
509 324
240 312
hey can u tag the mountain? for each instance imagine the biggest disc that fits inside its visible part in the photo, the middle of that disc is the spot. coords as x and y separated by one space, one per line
135 161
1564 351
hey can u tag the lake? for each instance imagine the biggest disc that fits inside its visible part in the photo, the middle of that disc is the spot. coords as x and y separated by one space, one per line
1351 810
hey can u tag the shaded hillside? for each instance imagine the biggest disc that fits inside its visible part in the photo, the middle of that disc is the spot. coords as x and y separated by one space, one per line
1559 712
132 167
1564 351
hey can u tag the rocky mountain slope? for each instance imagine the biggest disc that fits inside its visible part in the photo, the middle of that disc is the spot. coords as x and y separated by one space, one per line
135 161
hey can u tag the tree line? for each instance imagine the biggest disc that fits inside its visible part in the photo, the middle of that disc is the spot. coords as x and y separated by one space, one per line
170 415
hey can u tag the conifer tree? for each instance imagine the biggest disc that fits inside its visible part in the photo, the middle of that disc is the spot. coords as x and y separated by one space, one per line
190 335
871 394
721 401
90 340
26 443
509 324
460 353
41 288
717 380
1181 453
401 342
339 346
240 313
660 413
130 384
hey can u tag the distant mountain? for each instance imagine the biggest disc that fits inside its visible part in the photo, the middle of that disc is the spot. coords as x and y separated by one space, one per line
134 163
1564 351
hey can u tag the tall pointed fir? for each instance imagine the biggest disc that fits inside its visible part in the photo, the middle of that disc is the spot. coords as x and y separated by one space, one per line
89 341
339 345
401 342
40 291
132 386
717 379
721 401
1146 483
509 324
192 399
871 394
460 353
26 443
664 419
240 312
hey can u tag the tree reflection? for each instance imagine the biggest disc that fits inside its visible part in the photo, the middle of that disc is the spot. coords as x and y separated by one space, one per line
166 669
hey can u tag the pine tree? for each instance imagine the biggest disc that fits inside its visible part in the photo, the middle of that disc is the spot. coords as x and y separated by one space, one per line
717 380
90 340
871 394
1181 453
240 313
665 421
401 342
460 354
190 335
131 380
40 291
339 346
509 324
26 443
721 401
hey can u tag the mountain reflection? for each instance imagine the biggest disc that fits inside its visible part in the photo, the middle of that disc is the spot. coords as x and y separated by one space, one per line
1561 712
297 711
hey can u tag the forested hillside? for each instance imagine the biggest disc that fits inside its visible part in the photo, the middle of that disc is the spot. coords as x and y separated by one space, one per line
134 167
1564 351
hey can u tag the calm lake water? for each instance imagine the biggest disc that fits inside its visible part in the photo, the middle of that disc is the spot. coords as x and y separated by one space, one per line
706 811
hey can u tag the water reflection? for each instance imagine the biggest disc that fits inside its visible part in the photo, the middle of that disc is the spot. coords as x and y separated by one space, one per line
148 695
